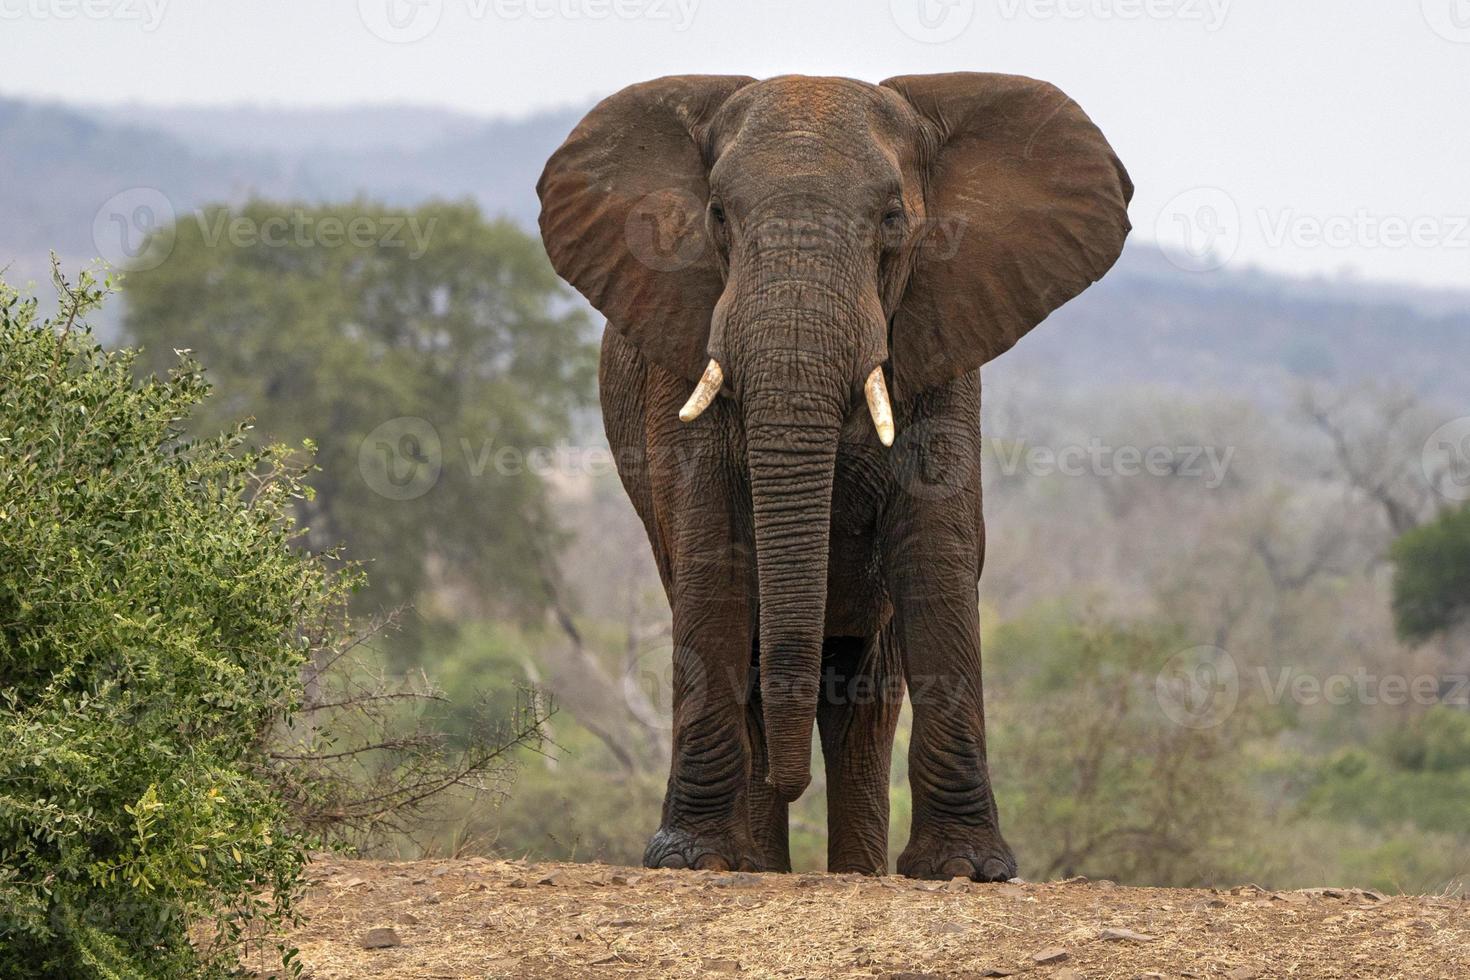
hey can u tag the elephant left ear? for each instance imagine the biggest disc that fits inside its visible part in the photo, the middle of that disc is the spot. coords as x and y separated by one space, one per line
1026 206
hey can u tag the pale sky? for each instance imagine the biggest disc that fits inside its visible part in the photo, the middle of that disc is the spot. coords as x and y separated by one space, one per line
1307 136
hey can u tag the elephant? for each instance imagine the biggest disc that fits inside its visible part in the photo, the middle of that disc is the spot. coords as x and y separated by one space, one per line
826 263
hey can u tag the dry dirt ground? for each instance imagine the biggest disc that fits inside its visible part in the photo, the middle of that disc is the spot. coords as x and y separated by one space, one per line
489 918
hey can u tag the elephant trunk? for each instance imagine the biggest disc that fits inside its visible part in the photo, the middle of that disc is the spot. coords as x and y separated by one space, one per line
792 452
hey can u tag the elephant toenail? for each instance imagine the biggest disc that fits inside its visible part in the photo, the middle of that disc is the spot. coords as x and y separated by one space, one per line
712 862
996 870
957 868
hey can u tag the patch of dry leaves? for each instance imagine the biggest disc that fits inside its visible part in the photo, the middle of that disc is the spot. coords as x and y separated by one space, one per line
487 918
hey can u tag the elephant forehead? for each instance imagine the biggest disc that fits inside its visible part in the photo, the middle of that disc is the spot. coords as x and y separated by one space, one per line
838 111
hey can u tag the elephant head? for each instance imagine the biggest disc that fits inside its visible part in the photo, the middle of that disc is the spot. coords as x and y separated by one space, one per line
804 246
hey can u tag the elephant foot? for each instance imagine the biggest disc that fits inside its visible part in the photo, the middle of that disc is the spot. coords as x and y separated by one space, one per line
680 849
975 854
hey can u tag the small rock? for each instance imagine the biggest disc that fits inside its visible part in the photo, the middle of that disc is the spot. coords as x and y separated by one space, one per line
1074 880
1244 973
740 879
1011 891
433 898
1016 881
419 881
1125 935
440 872
1052 954
381 938
951 928
1067 973
721 966
616 958
408 918
353 883
625 879
555 878
623 923
997 971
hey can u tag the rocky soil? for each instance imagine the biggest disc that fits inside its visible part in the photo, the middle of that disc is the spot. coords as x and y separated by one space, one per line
489 918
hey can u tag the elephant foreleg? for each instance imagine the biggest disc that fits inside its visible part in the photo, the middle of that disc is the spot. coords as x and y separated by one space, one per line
956 830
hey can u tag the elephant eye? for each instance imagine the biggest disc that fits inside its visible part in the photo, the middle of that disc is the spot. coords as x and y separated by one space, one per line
893 227
718 213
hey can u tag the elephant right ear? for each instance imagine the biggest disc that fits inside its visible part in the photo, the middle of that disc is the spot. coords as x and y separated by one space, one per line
622 214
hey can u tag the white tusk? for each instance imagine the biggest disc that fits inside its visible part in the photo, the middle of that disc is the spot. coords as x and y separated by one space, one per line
704 392
878 405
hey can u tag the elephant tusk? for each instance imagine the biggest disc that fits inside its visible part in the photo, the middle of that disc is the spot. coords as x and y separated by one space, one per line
878 405
704 392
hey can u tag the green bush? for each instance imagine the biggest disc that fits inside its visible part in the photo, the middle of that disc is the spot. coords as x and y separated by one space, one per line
1431 585
154 619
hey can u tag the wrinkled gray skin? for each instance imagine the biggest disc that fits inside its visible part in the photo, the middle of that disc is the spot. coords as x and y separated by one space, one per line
812 572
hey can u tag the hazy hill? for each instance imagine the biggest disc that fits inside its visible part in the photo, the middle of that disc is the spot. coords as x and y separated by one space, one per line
1244 331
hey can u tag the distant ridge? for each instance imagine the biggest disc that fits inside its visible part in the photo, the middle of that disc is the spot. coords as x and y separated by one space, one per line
1241 330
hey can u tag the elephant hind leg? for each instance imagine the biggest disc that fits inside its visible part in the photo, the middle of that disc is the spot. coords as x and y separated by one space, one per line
862 694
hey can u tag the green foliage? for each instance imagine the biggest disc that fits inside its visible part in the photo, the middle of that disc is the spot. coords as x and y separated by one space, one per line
427 352
1431 586
1092 775
154 617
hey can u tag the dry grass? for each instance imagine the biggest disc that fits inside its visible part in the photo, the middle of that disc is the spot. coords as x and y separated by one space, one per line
483 918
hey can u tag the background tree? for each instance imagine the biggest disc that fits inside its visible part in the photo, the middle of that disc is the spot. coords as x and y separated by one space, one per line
1431 586
429 353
